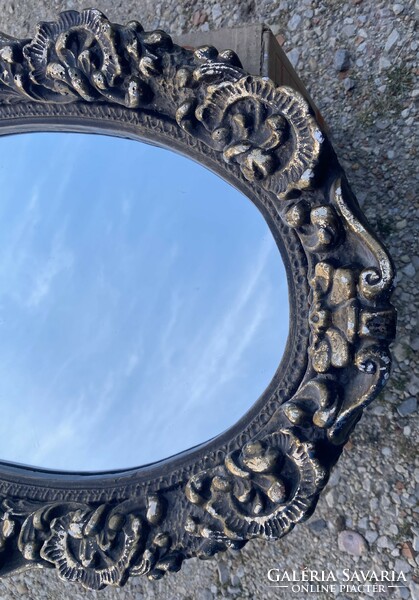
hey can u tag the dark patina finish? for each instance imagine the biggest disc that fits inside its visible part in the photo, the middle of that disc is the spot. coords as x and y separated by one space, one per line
83 73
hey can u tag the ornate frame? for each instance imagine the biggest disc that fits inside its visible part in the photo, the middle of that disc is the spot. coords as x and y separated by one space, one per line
83 73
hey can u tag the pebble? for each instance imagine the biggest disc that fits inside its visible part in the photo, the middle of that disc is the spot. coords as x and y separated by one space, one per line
414 590
318 525
400 352
392 528
340 523
294 22
371 536
342 60
330 498
349 30
401 565
293 56
22 588
196 18
397 8
413 385
373 504
407 551
223 573
383 542
234 590
383 63
391 40
409 270
407 407
352 543
382 124
334 477
348 84
240 572
216 12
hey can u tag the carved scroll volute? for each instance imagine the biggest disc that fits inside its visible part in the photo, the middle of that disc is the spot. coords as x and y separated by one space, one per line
376 318
375 281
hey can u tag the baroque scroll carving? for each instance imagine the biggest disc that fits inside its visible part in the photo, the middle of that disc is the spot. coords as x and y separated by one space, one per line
267 130
350 319
93 545
262 490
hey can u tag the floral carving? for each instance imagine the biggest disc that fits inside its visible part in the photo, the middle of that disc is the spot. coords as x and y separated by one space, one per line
95 545
338 318
251 495
333 316
265 129
318 227
92 548
79 57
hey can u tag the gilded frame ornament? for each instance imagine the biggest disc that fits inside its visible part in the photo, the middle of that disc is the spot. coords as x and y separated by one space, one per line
83 73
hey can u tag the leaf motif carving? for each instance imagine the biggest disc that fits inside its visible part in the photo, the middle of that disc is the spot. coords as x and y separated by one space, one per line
82 56
95 545
255 497
267 130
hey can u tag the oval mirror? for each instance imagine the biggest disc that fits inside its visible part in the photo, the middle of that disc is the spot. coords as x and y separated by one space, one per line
143 302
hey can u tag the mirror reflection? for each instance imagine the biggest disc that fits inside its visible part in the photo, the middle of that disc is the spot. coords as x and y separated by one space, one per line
143 302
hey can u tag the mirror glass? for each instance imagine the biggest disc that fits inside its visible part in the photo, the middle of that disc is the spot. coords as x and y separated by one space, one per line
143 302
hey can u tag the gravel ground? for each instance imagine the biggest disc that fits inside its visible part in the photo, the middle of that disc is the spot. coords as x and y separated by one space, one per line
371 110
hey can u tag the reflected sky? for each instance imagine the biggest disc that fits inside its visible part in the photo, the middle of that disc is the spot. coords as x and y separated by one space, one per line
143 302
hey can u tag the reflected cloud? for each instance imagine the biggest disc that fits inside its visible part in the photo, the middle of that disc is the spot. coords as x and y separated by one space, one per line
222 353
136 321
60 259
